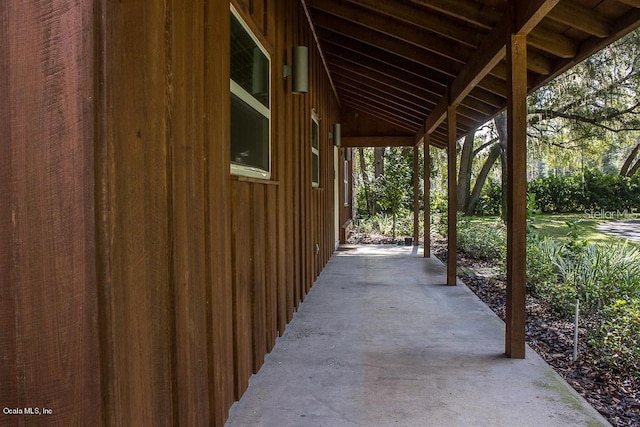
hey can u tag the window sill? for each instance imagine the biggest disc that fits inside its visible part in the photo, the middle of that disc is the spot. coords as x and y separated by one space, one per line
253 180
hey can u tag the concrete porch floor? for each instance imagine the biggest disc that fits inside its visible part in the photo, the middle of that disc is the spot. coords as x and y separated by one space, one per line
380 341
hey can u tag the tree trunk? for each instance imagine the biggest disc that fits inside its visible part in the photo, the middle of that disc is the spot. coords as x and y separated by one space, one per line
635 168
394 225
365 179
500 123
482 178
464 174
378 166
378 154
626 169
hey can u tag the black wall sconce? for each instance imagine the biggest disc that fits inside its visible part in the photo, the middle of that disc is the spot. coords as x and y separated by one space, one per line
336 134
298 70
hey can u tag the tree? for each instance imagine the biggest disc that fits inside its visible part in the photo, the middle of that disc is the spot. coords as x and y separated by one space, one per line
632 164
394 187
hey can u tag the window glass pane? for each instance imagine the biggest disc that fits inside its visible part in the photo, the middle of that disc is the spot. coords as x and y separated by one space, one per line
249 65
315 168
314 134
249 135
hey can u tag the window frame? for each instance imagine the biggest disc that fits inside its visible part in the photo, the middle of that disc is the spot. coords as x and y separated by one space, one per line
251 101
315 125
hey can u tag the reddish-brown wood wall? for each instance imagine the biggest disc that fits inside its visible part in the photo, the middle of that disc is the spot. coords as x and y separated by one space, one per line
49 353
277 224
142 284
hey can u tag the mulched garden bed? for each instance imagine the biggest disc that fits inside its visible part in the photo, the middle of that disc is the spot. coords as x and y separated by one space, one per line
616 395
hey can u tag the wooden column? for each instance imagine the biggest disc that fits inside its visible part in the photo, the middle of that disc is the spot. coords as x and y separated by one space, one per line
416 197
452 237
516 194
427 197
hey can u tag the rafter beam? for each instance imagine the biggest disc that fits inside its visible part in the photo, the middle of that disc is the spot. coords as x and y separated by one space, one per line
380 115
376 141
381 74
553 43
529 13
491 51
357 23
415 16
387 63
471 12
581 18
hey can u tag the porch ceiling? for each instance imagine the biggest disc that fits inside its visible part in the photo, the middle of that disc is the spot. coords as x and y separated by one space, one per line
396 60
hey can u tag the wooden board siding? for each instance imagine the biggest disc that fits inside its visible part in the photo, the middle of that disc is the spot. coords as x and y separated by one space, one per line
141 283
138 295
48 300
277 223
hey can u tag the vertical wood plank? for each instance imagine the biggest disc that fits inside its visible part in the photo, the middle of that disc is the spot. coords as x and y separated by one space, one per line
427 196
139 223
452 237
48 288
192 370
283 171
257 284
516 195
272 266
217 207
416 197
242 278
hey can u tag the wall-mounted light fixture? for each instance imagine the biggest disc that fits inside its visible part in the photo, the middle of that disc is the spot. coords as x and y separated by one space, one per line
336 134
298 70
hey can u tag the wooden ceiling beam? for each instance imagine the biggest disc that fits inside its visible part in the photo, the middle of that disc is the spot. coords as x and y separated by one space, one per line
529 13
357 22
471 12
632 3
553 43
581 18
397 103
469 114
380 73
416 16
377 80
619 29
380 114
399 111
491 51
388 91
400 64
376 141
408 53
388 44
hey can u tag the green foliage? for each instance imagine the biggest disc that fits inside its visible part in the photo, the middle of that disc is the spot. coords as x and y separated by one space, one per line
562 194
382 223
483 241
490 201
619 334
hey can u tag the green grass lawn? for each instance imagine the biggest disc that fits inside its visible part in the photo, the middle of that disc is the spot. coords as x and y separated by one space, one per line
555 226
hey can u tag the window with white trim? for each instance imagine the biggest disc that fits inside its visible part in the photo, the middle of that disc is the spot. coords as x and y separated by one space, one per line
315 152
250 103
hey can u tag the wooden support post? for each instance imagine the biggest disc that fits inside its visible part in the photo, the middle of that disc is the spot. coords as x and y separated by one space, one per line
427 197
516 194
452 236
416 197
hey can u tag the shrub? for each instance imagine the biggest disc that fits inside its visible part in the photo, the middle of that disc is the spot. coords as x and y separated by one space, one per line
541 271
490 200
619 334
484 241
